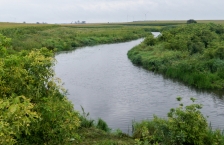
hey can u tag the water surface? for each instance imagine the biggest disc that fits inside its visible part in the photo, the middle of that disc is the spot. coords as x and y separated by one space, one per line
104 81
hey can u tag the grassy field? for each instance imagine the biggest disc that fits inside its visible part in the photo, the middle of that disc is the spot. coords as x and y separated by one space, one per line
4 25
70 36
211 21
10 24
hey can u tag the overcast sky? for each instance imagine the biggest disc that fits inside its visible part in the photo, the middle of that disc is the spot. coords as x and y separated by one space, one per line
66 11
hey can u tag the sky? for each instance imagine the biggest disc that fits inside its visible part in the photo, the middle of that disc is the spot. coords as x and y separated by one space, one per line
95 11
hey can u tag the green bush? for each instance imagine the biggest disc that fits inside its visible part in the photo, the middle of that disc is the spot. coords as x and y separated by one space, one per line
137 60
187 125
151 131
191 21
16 116
101 124
192 54
150 40
184 126
32 101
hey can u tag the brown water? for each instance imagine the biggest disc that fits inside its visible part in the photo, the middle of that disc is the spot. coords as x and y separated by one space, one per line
104 81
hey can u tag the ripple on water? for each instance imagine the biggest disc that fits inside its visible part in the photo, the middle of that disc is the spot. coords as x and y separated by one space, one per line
109 86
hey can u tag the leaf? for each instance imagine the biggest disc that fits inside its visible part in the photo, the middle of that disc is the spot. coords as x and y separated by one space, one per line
13 108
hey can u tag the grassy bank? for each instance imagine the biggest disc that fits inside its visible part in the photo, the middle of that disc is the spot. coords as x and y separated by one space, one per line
98 133
32 100
70 36
193 54
94 136
184 125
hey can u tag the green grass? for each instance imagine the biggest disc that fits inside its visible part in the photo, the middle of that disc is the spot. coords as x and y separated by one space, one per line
70 36
98 133
183 125
94 136
193 54
190 53
4 25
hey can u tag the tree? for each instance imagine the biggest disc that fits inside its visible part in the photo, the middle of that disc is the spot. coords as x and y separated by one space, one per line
32 101
191 21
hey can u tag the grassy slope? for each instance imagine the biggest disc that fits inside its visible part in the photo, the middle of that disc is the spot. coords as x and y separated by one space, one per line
190 53
68 37
94 136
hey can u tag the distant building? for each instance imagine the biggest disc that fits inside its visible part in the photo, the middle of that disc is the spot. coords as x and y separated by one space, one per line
80 22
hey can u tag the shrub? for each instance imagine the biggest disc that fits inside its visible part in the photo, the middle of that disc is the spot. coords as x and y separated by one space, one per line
151 131
198 47
191 21
184 126
16 116
32 102
101 124
150 40
137 60
219 52
187 125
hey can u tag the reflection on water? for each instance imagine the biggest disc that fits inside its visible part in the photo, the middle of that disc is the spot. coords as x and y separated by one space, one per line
109 86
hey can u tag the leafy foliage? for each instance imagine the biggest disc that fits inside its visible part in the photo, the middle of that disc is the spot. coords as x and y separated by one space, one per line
184 126
191 21
187 125
150 40
192 54
16 115
32 101
68 37
101 124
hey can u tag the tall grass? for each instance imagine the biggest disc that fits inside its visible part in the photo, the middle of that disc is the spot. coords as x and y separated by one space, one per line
68 37
193 54
87 122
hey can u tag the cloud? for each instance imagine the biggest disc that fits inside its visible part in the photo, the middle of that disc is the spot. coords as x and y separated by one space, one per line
108 10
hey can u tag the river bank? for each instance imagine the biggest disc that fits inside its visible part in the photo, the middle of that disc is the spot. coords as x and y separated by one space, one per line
33 102
70 37
192 54
103 78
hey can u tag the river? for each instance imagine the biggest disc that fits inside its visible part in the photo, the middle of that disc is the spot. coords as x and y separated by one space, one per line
104 81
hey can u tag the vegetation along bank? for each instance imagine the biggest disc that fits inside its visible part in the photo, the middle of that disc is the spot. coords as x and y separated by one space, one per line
193 54
69 37
33 101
